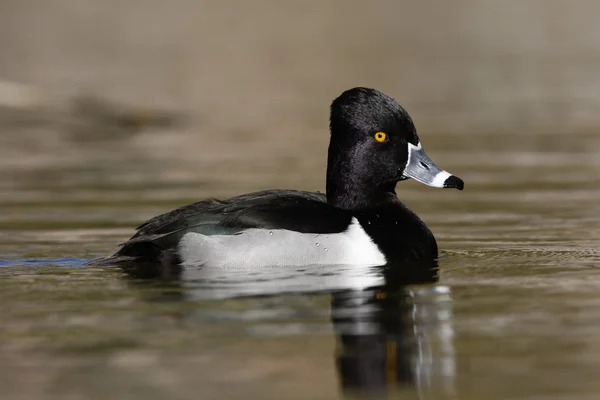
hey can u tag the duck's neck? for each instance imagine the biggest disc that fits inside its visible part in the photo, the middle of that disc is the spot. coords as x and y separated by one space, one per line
346 191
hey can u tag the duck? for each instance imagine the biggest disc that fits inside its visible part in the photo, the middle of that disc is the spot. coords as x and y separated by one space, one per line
359 220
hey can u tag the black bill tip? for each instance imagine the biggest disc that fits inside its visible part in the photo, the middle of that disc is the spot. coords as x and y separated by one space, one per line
454 182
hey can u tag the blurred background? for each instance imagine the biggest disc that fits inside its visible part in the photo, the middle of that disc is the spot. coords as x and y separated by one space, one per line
112 112
195 84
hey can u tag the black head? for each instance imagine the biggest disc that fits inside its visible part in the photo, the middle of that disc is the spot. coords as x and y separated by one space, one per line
373 145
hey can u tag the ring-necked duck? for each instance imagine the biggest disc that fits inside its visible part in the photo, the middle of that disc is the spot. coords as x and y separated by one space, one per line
360 220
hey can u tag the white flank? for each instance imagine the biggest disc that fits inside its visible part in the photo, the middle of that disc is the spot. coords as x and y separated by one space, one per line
279 248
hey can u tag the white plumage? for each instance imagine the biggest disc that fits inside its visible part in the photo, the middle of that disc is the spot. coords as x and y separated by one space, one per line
280 248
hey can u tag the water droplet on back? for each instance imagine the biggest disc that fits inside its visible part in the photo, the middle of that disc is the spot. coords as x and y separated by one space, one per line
270 232
317 244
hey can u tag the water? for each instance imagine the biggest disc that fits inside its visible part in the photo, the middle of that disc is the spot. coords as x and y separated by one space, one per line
514 315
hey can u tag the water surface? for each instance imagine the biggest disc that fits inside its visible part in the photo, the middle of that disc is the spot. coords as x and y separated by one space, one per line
514 314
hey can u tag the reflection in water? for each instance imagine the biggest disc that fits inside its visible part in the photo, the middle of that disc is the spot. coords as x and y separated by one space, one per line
390 339
393 324
397 334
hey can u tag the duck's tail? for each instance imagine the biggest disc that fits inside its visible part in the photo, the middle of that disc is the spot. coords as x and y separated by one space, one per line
114 260
138 252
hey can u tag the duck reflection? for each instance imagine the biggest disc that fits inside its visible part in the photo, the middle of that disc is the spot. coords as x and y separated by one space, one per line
396 336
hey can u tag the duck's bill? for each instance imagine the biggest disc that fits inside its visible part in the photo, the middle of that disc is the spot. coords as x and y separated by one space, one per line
420 168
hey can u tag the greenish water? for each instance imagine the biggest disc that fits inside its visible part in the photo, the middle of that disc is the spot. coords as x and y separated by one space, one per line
515 314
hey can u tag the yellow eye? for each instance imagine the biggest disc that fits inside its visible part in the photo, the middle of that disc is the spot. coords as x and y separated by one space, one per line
380 137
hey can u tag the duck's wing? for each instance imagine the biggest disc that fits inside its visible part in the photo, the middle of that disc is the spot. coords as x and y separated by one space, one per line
305 212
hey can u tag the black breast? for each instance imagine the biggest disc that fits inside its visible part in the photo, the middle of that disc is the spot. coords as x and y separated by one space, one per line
399 233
